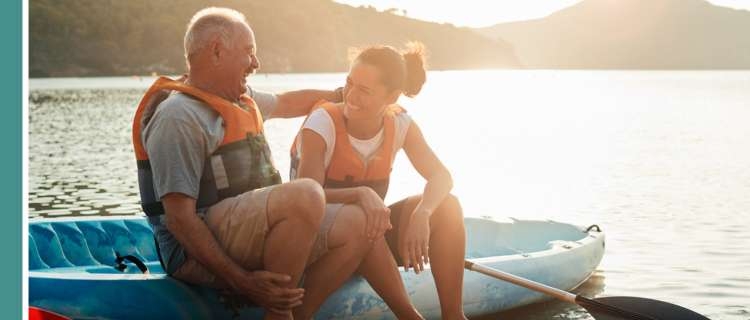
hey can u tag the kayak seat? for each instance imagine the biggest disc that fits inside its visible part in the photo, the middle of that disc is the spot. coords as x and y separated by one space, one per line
521 237
89 243
153 267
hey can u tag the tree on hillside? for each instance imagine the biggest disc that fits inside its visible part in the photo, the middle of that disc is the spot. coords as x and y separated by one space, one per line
136 37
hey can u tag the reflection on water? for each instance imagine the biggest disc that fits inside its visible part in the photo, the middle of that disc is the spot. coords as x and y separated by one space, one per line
80 157
658 159
555 309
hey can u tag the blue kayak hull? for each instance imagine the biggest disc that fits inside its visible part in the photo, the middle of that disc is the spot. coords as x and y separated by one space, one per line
71 272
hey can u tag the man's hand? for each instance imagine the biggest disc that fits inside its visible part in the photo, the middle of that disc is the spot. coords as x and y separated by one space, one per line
337 96
270 291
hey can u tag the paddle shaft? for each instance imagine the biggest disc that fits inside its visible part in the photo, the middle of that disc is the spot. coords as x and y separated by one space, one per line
554 292
610 308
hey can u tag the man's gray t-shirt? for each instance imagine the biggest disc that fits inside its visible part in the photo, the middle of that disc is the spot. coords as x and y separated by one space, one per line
178 139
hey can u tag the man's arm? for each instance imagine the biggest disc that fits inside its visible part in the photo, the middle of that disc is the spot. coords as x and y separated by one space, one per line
263 287
299 103
177 147
197 239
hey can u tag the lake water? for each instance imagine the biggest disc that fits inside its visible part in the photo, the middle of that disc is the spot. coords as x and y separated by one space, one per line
660 160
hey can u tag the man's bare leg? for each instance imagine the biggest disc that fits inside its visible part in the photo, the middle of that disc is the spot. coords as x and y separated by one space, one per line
295 210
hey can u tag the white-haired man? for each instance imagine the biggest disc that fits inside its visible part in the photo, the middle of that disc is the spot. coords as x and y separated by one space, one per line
211 193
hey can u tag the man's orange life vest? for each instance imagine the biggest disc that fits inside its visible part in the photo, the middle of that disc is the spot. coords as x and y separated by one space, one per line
241 163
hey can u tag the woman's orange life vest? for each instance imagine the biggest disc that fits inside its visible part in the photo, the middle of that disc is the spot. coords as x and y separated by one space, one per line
241 163
347 168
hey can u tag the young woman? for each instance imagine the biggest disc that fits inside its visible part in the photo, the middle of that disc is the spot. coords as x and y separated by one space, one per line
349 149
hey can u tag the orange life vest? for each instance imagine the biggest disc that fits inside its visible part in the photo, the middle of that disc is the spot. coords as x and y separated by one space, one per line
347 168
242 162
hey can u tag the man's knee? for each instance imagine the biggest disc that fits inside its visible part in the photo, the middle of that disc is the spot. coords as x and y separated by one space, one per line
307 192
302 199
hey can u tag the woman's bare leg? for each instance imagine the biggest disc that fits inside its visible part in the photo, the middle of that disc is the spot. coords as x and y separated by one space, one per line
347 245
381 272
447 251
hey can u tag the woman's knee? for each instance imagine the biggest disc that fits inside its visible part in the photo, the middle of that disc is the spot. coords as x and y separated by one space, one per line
450 209
349 227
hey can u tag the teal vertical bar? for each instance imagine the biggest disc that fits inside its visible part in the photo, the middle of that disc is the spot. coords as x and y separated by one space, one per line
11 162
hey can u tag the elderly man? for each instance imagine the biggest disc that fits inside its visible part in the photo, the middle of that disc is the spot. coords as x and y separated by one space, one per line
208 185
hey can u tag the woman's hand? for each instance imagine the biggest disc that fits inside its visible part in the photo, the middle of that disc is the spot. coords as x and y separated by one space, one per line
415 240
377 213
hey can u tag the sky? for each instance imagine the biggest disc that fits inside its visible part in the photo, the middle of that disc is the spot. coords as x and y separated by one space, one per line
483 13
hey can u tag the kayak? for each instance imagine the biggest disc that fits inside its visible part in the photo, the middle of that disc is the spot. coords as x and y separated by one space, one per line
88 268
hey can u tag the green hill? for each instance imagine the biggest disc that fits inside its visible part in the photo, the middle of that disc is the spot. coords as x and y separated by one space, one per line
138 37
633 34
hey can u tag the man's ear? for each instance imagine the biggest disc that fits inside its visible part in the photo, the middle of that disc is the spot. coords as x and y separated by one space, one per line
217 51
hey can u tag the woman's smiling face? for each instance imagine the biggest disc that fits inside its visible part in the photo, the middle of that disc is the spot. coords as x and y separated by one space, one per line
365 96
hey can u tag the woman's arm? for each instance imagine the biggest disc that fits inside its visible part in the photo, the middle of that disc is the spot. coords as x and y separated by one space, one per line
312 165
421 156
413 248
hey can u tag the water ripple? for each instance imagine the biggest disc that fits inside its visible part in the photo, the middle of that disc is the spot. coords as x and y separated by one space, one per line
659 164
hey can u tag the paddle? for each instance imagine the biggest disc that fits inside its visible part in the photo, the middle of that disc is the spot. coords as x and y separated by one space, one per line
606 308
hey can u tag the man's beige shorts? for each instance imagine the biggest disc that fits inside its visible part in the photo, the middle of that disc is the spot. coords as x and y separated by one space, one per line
240 225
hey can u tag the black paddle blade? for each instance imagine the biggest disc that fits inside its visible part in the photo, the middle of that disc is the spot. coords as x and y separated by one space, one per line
635 308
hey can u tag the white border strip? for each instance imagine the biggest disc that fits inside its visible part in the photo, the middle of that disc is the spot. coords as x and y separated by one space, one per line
25 159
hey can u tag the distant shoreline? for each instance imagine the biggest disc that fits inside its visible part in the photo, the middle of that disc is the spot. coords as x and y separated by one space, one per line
436 70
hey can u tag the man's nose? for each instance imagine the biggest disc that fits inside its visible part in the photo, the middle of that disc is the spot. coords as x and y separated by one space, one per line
255 64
